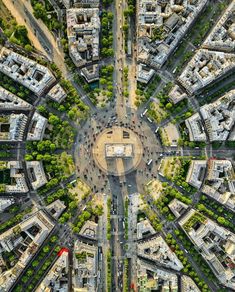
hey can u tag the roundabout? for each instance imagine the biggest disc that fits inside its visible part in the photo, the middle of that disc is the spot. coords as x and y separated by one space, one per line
101 145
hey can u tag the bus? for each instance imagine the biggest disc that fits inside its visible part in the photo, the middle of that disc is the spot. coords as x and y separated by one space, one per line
156 130
145 112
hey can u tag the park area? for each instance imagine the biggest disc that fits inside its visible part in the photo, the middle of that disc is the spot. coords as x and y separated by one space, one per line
169 167
65 161
154 188
13 28
175 169
103 94
80 189
156 113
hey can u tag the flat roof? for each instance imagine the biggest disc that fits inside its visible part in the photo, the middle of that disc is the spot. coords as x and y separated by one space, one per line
118 150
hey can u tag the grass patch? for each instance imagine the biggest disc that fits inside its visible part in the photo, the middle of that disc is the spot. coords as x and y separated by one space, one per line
104 94
175 169
17 34
156 113
154 188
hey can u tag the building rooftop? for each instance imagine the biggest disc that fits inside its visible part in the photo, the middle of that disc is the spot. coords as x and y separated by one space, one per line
213 61
196 173
157 250
83 27
57 277
9 101
27 72
87 3
89 229
177 94
161 26
85 267
36 174
56 208
90 73
188 285
195 128
144 74
220 182
152 278
37 127
177 207
12 127
222 36
24 239
144 229
57 93
5 203
204 68
215 243
219 117
13 177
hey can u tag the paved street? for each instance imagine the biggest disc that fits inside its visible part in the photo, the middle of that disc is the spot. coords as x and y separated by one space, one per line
38 32
123 114
118 45
119 188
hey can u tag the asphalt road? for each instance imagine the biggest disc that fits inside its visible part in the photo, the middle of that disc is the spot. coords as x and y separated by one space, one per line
42 33
118 188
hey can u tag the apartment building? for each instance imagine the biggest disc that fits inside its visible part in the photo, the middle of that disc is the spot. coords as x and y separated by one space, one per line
222 36
160 27
12 127
37 127
83 28
36 174
85 266
157 250
57 278
57 93
204 68
196 173
152 278
25 71
215 243
24 240
219 117
13 177
220 182
195 128
9 101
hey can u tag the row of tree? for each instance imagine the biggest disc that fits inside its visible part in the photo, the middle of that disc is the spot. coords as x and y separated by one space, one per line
38 267
188 269
107 34
90 211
